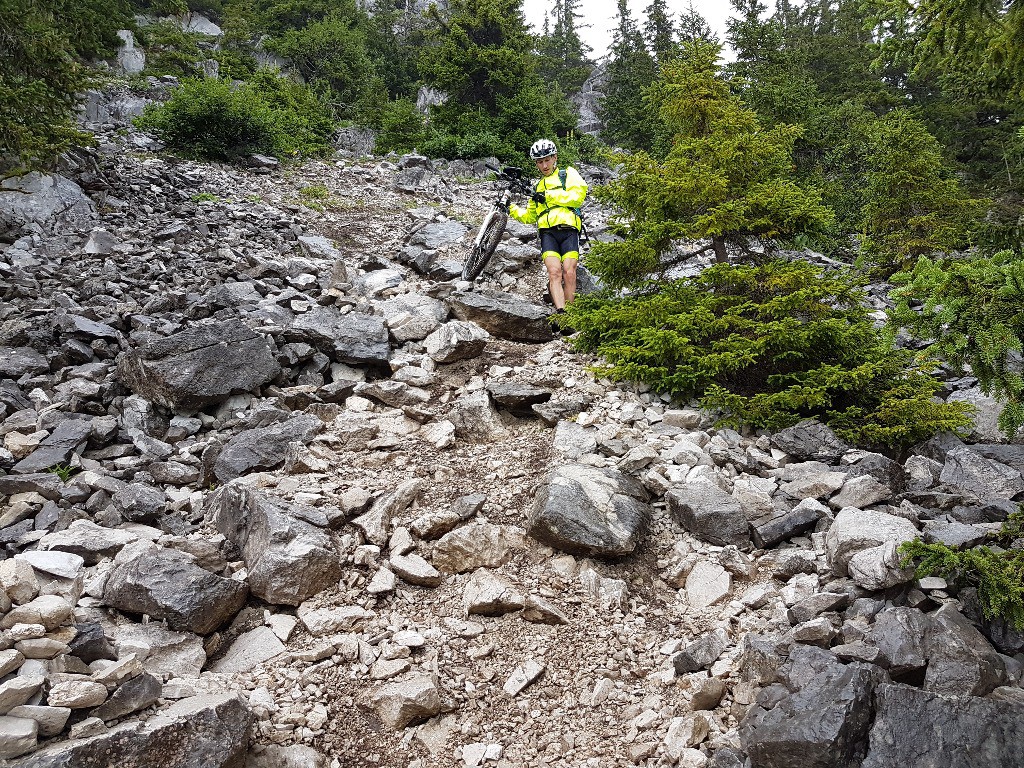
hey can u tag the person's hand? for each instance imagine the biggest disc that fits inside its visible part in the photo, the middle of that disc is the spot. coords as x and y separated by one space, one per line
539 198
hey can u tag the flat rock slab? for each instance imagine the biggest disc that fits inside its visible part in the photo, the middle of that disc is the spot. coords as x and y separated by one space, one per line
17 361
584 510
199 366
210 731
810 440
353 337
57 448
250 649
503 315
915 727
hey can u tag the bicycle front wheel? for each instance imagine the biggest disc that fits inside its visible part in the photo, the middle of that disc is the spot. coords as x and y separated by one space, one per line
493 228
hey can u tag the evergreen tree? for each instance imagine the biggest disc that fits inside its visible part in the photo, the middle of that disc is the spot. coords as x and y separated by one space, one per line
562 54
661 33
627 119
693 26
40 79
725 181
913 204
480 54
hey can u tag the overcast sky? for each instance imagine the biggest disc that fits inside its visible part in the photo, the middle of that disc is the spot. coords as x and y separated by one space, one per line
600 15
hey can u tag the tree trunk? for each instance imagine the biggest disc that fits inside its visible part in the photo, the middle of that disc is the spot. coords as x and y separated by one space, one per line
721 256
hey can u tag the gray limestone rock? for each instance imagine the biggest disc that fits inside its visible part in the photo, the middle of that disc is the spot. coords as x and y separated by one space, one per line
130 696
208 731
474 546
503 315
475 419
264 448
17 361
701 653
487 594
164 652
53 203
787 736
810 440
921 728
961 662
199 366
166 584
67 439
779 526
456 340
353 337
407 701
288 558
588 511
855 529
965 470
709 513
89 541
901 634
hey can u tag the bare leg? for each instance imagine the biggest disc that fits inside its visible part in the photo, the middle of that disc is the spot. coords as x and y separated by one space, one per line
554 266
569 275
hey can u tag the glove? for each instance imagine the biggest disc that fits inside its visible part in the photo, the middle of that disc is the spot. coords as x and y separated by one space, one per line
539 198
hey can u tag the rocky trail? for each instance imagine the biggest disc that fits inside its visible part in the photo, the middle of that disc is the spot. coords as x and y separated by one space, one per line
276 489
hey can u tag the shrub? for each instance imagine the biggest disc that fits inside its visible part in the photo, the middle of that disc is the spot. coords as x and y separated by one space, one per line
998 574
211 119
170 50
402 128
770 344
972 312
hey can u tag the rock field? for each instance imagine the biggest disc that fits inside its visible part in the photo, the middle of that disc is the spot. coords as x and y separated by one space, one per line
277 489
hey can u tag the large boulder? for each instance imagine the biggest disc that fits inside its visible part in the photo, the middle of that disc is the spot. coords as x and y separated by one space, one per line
199 366
456 340
584 510
352 337
966 470
822 724
920 728
709 513
263 448
53 203
66 439
288 558
856 529
167 584
208 731
503 315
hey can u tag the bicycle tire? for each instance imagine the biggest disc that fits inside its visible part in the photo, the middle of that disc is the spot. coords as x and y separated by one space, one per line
478 258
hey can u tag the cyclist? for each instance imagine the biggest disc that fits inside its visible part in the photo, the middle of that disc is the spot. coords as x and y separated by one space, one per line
554 207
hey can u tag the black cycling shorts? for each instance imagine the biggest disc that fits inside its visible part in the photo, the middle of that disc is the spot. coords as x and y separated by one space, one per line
560 241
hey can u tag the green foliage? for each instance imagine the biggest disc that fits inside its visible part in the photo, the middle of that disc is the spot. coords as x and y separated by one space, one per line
64 471
628 121
972 310
331 52
402 128
169 49
205 197
40 80
213 120
315 192
562 54
771 344
998 574
725 179
912 204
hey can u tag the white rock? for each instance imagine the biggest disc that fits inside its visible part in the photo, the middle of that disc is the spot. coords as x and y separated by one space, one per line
707 584
522 676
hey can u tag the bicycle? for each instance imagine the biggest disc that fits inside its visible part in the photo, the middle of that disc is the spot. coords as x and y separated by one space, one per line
493 228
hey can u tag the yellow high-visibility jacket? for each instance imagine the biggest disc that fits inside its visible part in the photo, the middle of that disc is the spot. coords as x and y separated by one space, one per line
560 202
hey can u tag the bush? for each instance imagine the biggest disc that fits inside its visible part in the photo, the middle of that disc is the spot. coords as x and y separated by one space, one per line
170 50
210 119
770 344
997 574
402 128
972 312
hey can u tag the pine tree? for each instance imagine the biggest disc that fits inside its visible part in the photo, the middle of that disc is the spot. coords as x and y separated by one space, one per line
726 180
693 26
660 32
627 119
913 204
561 51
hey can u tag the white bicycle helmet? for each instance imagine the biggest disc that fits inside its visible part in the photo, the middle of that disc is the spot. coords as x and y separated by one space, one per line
543 148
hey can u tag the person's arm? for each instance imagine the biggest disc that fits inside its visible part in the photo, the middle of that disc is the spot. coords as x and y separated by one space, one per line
573 195
527 215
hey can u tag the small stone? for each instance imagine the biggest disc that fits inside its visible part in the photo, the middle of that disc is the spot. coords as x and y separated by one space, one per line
77 694
522 676
415 570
